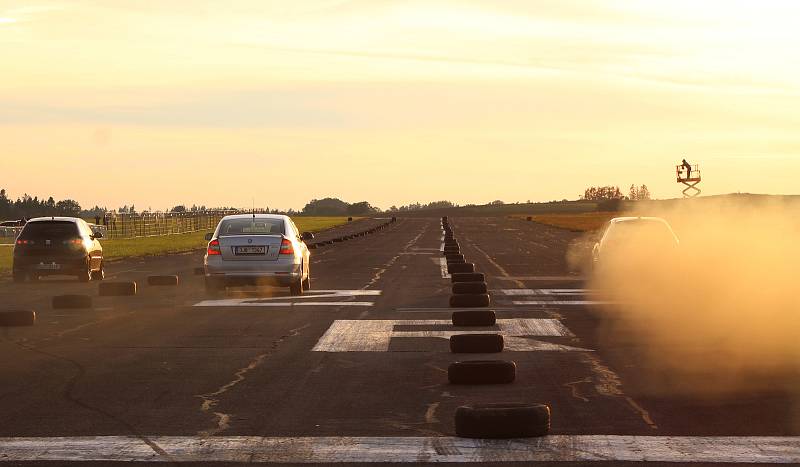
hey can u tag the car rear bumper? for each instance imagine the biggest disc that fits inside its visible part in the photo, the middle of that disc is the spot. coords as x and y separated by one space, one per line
252 272
49 265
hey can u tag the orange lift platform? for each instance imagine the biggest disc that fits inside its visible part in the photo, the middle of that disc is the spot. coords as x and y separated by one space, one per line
690 178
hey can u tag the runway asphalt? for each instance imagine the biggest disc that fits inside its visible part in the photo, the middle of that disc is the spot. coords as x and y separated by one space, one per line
354 371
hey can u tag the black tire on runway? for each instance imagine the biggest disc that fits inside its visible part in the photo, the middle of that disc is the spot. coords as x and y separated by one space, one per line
17 318
451 244
468 277
482 372
162 280
451 251
455 261
463 267
201 271
474 318
72 301
470 288
529 218
349 219
502 421
117 289
476 343
444 218
455 257
469 300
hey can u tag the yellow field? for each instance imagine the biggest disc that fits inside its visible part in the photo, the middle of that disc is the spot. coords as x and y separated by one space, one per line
129 247
582 222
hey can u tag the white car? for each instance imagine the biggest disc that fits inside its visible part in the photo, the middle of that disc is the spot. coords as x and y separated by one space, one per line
257 249
654 232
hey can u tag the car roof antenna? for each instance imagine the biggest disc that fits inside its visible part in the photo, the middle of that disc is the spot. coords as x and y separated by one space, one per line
254 208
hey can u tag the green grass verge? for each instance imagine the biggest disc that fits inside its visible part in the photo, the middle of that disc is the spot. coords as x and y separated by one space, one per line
125 248
579 222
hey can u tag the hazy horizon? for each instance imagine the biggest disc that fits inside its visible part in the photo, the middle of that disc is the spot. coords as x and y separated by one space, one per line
229 103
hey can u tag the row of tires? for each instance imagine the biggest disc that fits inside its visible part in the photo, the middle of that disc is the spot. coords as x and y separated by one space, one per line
377 228
469 287
10 318
498 420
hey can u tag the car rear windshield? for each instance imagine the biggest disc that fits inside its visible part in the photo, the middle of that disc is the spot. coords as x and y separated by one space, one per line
50 230
641 230
252 227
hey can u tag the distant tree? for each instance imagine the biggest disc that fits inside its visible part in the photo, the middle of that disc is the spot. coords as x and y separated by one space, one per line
181 208
600 193
68 207
362 208
496 202
326 207
639 193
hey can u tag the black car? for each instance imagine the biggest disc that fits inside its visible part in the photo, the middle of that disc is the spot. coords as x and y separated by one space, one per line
58 246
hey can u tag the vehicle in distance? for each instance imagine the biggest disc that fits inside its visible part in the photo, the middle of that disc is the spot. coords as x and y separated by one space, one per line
257 249
58 246
634 233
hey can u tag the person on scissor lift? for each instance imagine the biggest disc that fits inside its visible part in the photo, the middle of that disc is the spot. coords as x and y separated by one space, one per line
688 167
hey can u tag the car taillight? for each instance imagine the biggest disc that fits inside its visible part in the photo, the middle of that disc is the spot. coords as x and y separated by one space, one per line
286 247
213 248
25 242
74 241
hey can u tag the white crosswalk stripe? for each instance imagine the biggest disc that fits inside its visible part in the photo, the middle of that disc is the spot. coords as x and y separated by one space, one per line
376 335
343 449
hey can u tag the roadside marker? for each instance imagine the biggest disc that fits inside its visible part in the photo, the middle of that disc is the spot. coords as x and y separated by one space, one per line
372 335
341 449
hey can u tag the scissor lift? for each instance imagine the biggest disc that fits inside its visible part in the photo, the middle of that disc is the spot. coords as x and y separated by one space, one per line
691 179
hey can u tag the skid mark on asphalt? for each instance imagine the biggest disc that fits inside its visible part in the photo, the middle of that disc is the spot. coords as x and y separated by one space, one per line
573 386
342 449
211 399
156 452
376 335
499 268
607 382
430 414
390 263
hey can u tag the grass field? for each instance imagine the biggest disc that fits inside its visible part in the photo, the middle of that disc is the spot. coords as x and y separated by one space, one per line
128 247
581 222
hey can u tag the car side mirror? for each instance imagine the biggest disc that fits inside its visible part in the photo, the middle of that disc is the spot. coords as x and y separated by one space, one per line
209 236
97 234
307 236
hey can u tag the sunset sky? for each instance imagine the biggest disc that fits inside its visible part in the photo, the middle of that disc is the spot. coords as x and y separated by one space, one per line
219 103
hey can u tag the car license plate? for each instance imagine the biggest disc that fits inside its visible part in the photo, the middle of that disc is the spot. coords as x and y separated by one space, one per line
48 266
250 250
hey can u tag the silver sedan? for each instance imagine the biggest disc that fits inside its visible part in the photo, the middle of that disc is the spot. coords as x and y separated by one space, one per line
257 249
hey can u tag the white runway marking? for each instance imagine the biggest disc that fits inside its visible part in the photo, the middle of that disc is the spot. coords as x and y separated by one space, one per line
339 449
282 300
375 335
561 302
451 310
551 297
443 264
541 278
560 292
255 302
